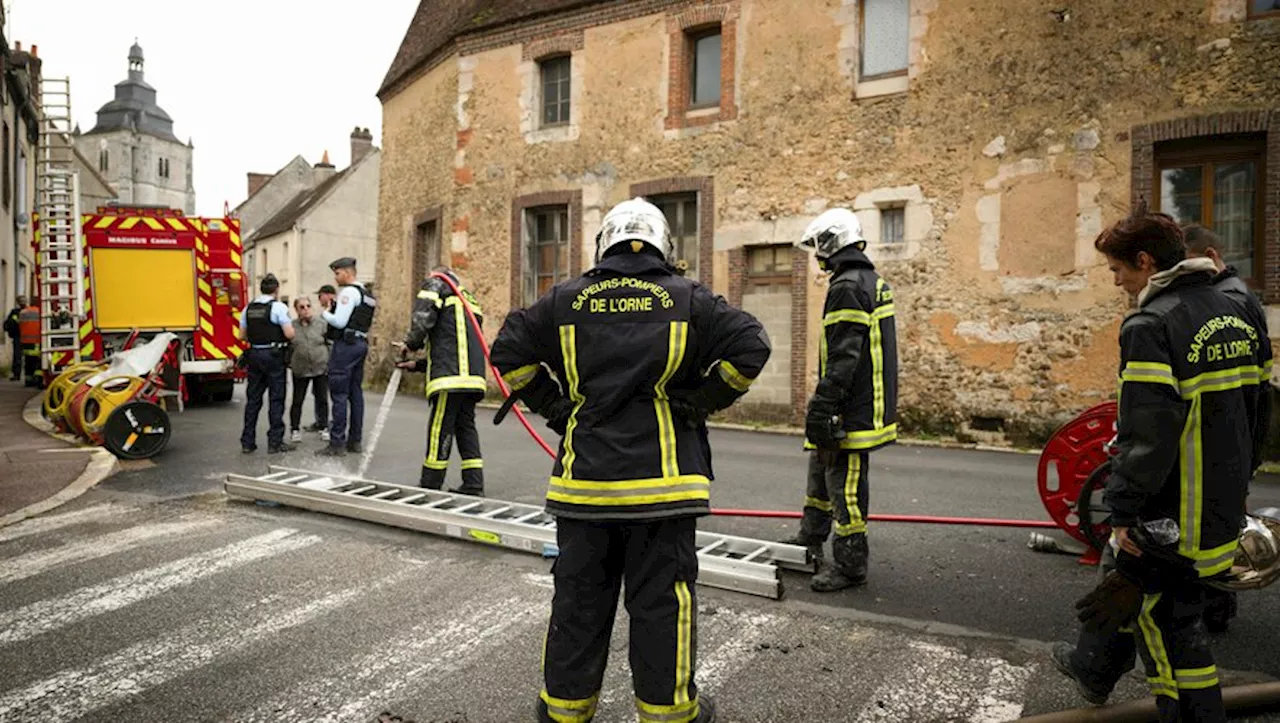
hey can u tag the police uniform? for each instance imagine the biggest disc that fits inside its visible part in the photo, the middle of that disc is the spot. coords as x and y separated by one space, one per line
455 381
349 323
29 334
642 354
1189 394
263 322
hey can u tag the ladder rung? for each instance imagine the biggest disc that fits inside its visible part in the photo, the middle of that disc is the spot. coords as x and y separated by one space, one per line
464 508
756 553
711 548
411 498
494 512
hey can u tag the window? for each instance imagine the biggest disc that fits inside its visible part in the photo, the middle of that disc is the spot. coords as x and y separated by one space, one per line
555 74
22 279
104 160
885 38
893 225
426 249
681 211
705 76
1217 183
284 259
546 249
7 182
265 269
163 168
1262 8
769 265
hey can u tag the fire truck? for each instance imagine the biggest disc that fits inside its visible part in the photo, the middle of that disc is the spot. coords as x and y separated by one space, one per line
146 270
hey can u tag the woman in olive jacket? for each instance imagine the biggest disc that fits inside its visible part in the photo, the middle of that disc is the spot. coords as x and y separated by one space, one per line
310 367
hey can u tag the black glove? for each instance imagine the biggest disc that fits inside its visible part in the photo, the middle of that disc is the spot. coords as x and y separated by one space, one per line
1113 604
557 415
822 424
685 408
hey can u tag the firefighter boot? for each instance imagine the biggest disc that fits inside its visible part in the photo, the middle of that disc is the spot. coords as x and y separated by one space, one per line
849 565
706 709
543 714
802 540
1062 653
1220 609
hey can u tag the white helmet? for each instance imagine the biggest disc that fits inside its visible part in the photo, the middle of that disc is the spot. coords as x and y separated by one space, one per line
833 231
635 220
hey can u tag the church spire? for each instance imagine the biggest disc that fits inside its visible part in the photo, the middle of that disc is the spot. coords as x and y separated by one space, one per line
135 61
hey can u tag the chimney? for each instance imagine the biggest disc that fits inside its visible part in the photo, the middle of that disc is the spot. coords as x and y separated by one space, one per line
258 180
324 169
361 144
17 45
35 51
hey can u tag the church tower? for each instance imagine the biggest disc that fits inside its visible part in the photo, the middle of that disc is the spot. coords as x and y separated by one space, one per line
135 149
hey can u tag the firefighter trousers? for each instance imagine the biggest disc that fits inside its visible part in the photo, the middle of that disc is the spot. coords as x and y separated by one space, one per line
31 363
266 376
346 387
837 492
1169 636
453 417
658 563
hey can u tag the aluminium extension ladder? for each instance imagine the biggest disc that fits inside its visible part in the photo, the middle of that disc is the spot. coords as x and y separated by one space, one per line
732 563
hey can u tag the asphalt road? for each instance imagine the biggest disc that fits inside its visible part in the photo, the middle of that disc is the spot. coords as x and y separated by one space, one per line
156 597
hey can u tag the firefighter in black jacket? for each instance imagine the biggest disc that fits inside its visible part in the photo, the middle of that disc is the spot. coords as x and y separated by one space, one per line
853 411
455 379
643 355
12 330
1201 242
1189 385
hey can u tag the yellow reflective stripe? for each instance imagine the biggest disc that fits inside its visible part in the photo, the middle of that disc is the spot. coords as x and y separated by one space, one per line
457 383
176 225
1197 678
853 316
884 312
437 421
86 349
684 642
1190 478
207 326
464 349
206 307
520 378
105 221
1219 381
629 492
436 464
86 329
129 223
204 287
154 223
564 710
877 364
428 295
856 523
473 464
628 484
1149 372
1154 640
736 380
569 353
683 712
211 349
678 333
817 504
864 439
1219 559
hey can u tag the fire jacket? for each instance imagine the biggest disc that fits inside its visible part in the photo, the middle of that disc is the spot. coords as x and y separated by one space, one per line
1229 282
455 359
623 339
29 326
11 323
1189 382
858 353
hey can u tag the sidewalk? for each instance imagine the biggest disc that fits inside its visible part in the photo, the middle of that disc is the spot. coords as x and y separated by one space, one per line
37 471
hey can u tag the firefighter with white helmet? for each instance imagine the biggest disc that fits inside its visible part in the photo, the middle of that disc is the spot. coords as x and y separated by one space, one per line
642 356
853 410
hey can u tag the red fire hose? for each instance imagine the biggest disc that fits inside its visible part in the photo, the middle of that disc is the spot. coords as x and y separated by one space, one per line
775 514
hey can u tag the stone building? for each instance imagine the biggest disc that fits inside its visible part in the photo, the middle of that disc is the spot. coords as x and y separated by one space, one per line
135 149
298 220
19 128
983 143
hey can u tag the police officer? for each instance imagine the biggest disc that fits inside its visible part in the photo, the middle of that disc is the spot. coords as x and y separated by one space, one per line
455 379
853 411
350 317
642 356
268 329
1201 242
1188 382
29 335
13 329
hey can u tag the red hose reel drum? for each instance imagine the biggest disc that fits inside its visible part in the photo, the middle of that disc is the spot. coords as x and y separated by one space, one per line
1074 451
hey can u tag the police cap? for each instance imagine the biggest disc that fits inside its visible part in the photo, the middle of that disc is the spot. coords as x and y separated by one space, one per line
346 262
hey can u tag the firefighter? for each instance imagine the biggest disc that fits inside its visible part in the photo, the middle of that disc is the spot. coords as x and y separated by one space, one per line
1201 242
1188 382
853 409
29 335
12 328
455 379
268 329
349 318
642 356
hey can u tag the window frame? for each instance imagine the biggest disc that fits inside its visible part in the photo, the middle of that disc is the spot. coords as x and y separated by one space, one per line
680 200
862 47
898 208
427 246
8 161
566 82
1252 14
1209 152
774 278
692 36
531 245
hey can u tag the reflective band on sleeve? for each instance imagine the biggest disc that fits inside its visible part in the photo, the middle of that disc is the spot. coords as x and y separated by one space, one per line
629 492
427 295
853 316
1150 372
734 378
520 378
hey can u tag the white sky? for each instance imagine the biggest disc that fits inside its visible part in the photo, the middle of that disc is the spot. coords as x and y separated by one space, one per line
252 82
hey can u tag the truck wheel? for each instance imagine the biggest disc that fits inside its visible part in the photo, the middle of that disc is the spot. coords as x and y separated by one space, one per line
137 430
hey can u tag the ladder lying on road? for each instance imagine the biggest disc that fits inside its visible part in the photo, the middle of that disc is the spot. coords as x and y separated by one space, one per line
732 563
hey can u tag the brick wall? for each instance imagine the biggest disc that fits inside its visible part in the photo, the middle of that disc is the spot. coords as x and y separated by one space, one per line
799 333
704 186
737 275
680 69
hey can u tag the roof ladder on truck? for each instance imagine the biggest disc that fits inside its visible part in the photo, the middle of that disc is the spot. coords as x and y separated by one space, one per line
59 246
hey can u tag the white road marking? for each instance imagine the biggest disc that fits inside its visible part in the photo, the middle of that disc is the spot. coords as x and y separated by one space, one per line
1002 699
938 683
408 662
47 615
70 694
38 525
34 563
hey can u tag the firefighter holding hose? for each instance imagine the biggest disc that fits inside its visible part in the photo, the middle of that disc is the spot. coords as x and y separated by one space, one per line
853 410
455 378
642 356
1189 385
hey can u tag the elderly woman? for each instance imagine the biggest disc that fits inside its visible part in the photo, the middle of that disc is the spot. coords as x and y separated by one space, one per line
310 367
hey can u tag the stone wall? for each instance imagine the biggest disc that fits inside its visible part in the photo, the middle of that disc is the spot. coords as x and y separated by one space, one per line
1008 151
